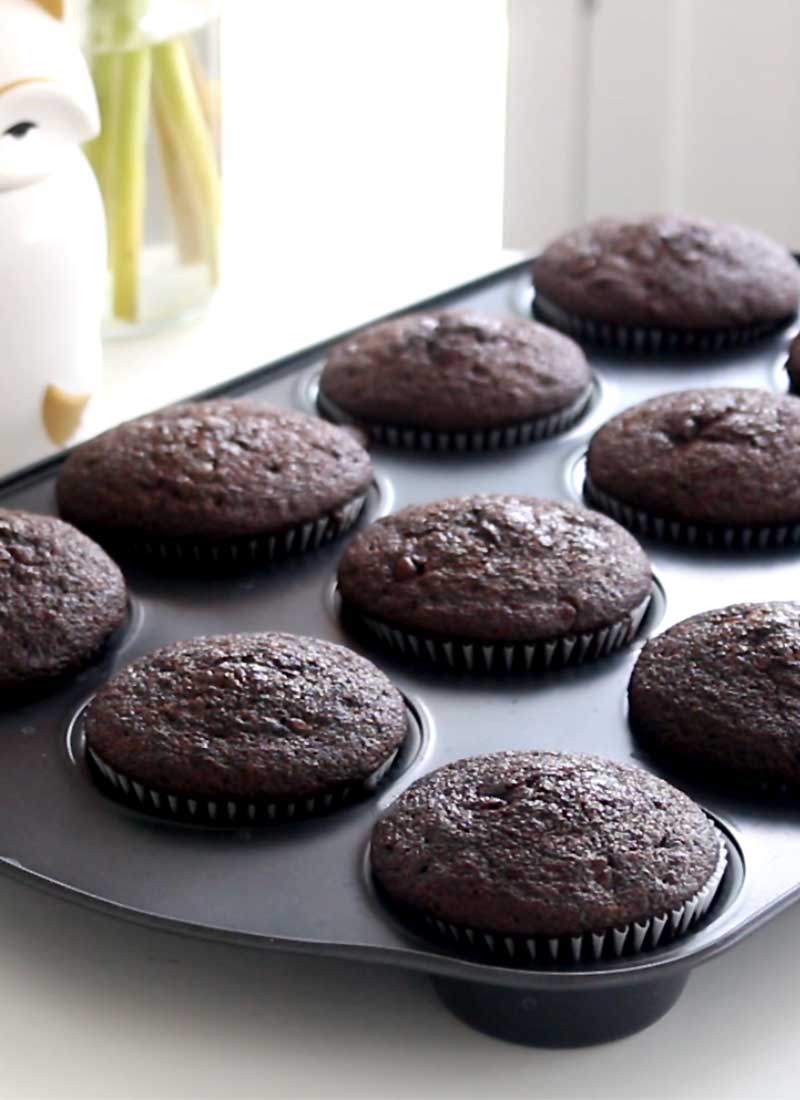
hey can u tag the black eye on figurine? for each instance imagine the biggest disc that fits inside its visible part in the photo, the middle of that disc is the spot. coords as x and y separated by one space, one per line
20 129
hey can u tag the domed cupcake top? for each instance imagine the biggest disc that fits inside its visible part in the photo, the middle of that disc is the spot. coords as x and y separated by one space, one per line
61 597
212 469
247 716
494 568
542 844
455 370
669 271
720 693
706 455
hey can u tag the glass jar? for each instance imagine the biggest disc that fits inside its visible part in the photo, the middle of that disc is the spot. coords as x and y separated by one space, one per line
155 65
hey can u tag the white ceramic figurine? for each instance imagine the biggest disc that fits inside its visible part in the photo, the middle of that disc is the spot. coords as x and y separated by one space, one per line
52 234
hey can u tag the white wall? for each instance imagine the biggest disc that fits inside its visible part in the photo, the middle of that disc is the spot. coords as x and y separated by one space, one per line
653 104
366 133
546 123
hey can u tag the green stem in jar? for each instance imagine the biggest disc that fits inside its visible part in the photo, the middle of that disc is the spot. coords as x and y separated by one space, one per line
126 177
121 72
182 111
185 200
131 75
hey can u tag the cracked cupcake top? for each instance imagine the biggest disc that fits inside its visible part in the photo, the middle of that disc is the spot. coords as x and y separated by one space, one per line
212 469
455 370
61 597
542 843
247 716
721 692
495 568
713 455
670 271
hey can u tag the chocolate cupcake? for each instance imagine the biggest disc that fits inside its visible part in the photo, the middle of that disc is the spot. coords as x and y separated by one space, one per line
457 380
715 467
61 599
491 583
666 283
216 482
245 729
534 857
793 365
718 695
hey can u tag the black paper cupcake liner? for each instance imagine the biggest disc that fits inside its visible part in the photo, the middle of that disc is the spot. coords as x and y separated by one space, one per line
646 340
480 439
589 947
686 533
239 552
231 812
480 657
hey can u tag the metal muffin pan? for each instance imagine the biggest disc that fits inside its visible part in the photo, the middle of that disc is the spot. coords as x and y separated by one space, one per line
305 886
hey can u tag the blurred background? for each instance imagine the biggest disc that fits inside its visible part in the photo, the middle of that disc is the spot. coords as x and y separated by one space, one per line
380 132
375 153
636 105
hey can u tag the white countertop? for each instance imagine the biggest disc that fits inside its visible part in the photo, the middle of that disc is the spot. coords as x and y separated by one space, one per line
94 1007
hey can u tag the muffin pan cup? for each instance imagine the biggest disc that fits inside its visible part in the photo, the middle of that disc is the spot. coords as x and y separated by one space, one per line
235 553
478 657
589 947
303 885
481 439
695 535
641 340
